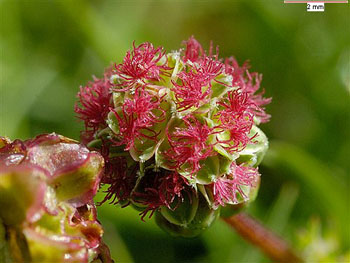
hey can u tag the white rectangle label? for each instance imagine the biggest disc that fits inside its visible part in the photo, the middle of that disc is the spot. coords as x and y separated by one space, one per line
315 7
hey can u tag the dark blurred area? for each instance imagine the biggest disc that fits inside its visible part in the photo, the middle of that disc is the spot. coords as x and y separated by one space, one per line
50 48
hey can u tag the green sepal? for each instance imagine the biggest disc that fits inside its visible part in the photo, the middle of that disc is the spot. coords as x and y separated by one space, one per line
138 206
160 160
118 98
230 210
184 210
112 120
202 110
172 229
143 151
209 171
204 192
225 165
218 90
218 148
204 217
164 146
254 153
96 144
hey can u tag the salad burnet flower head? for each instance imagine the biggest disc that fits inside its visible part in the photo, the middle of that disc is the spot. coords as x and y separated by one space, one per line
178 132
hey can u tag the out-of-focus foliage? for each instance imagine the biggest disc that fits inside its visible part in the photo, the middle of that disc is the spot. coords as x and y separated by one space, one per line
49 48
319 246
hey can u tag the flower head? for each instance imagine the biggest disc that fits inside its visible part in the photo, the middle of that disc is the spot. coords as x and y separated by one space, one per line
179 134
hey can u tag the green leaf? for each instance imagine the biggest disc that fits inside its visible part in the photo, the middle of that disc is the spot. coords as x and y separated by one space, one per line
316 177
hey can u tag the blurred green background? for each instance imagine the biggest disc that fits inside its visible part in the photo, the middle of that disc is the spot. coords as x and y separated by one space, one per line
50 48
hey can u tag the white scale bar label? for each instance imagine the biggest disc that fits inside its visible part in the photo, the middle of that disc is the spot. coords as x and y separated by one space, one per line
315 7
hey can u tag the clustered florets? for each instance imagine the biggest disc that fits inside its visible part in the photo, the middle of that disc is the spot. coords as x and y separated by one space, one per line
173 123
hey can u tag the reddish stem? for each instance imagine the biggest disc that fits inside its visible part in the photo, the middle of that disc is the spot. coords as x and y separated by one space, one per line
254 232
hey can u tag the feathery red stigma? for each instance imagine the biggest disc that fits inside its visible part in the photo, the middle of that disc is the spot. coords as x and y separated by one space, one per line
237 118
250 83
143 63
189 145
163 190
227 188
137 116
193 50
95 100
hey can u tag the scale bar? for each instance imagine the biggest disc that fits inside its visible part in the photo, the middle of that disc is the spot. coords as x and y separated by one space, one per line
315 2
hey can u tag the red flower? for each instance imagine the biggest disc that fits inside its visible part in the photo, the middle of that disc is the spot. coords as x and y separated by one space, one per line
171 186
237 118
141 64
251 86
95 101
189 145
233 69
209 69
193 50
161 191
120 182
192 91
195 86
226 188
250 83
137 117
237 103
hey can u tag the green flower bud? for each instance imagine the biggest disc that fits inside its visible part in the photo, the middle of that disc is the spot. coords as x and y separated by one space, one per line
203 217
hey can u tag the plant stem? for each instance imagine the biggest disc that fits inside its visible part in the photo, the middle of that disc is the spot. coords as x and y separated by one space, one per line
270 243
